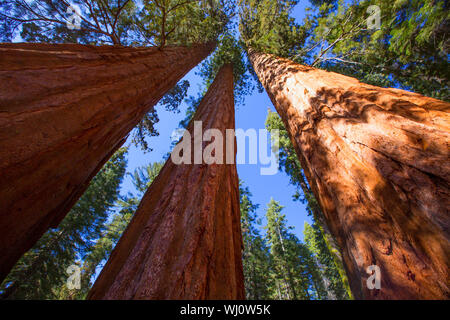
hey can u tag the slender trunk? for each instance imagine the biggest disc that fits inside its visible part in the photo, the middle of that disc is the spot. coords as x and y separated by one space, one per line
64 110
377 161
286 265
184 241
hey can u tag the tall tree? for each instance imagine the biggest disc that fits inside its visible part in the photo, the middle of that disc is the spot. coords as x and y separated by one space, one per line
60 124
376 160
184 242
41 272
291 260
255 255
326 249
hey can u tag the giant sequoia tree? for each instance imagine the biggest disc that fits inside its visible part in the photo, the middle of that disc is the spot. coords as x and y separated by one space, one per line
184 241
377 161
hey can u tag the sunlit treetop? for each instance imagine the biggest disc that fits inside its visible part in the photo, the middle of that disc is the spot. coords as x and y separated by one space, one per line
267 26
231 51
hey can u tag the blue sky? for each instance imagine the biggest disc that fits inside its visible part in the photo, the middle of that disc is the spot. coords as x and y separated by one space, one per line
250 115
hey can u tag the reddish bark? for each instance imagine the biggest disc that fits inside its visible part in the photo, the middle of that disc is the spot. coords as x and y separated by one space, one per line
378 162
64 110
184 241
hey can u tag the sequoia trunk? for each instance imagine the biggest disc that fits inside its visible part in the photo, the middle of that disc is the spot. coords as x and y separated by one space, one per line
184 241
378 162
64 110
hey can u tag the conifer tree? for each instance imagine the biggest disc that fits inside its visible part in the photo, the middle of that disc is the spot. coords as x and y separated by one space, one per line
255 255
355 146
292 262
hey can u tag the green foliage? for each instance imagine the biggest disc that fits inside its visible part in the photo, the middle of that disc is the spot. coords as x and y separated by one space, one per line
255 256
175 96
336 285
265 25
125 22
146 127
193 103
182 22
143 177
410 50
295 271
97 256
41 272
277 266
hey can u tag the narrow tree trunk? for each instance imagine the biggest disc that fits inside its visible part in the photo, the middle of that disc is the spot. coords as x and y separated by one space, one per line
378 162
184 241
286 266
64 110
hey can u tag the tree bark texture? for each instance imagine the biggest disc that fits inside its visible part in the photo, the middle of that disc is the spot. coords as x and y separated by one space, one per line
377 160
64 110
184 241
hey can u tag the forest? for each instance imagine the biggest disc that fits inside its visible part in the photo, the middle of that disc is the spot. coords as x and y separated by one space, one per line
93 206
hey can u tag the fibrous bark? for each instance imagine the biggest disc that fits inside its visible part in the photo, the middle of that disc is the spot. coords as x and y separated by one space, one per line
378 162
64 110
184 241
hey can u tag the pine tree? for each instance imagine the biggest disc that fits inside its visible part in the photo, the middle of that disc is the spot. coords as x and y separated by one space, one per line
360 147
255 255
328 270
292 264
